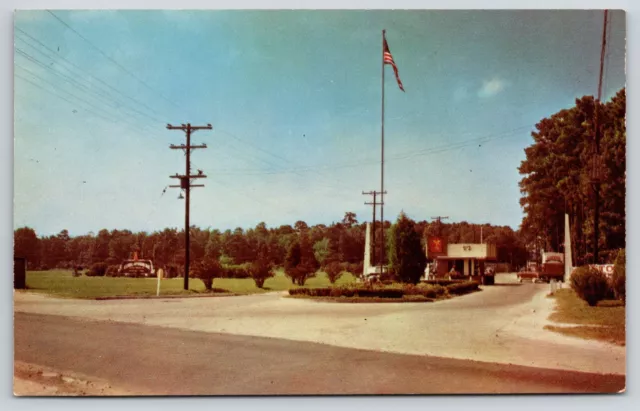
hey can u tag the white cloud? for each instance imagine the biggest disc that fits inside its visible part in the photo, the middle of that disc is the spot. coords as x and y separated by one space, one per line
491 87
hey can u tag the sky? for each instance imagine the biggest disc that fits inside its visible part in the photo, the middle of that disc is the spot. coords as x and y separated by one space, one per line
294 98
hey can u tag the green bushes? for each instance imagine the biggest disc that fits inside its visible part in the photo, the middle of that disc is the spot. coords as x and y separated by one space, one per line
236 271
97 270
462 288
112 271
590 284
334 271
618 282
391 292
260 270
348 292
442 282
207 270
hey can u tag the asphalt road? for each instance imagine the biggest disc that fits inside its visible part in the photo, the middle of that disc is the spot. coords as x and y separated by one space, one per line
501 324
151 360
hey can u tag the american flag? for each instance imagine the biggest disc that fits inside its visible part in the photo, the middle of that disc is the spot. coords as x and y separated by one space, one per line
387 58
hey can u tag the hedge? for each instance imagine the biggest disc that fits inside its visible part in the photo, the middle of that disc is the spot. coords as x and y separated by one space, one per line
430 292
442 282
462 288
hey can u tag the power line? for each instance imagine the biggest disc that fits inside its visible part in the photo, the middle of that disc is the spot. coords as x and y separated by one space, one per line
277 157
58 57
120 66
75 96
101 97
73 103
397 157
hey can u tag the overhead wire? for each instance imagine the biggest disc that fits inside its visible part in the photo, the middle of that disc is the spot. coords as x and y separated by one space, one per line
59 58
111 59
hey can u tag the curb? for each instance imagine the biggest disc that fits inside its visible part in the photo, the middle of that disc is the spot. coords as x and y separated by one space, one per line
161 297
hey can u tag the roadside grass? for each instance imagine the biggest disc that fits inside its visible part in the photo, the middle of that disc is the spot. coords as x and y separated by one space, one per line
605 322
62 283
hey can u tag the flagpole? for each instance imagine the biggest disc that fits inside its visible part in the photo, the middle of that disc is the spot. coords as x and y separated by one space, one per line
382 247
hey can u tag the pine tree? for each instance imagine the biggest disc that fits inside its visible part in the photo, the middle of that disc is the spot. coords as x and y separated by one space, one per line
407 259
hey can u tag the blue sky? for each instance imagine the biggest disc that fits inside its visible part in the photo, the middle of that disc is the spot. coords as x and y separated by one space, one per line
294 100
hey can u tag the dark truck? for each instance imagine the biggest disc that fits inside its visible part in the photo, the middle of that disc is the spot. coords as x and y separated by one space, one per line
552 268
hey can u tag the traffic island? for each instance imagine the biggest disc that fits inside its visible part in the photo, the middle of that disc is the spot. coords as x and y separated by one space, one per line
385 294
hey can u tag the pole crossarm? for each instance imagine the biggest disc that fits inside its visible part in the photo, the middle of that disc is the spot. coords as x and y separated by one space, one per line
189 176
184 147
184 127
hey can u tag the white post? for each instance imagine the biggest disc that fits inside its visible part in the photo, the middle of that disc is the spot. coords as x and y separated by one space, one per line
367 252
568 257
160 275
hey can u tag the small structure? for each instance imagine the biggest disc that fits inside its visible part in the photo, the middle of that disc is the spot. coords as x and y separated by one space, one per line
19 273
468 260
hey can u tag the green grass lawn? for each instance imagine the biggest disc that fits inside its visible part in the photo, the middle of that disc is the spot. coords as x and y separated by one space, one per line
62 283
605 322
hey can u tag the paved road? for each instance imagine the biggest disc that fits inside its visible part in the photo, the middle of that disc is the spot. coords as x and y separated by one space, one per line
152 360
502 324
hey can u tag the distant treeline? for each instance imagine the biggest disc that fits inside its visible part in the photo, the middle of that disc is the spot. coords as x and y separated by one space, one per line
342 242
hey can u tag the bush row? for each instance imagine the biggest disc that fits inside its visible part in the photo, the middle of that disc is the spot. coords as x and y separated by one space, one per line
348 292
442 282
462 288
432 291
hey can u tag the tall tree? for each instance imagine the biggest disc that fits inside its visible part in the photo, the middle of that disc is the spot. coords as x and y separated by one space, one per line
407 259
557 178
27 245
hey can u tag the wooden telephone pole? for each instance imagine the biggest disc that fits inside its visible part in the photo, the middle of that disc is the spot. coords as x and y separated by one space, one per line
596 176
439 219
185 184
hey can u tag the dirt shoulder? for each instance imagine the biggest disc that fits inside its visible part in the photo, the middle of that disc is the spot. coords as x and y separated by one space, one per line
30 380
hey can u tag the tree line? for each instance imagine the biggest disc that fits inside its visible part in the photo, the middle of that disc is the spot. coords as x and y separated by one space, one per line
290 246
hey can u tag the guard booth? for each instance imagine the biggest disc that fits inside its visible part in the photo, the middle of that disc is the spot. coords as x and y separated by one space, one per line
466 260
19 273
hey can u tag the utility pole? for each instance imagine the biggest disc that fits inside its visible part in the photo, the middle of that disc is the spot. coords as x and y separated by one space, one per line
185 184
374 204
439 219
596 175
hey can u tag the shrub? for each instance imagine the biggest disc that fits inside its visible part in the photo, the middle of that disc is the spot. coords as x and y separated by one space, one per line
112 271
429 291
619 279
334 271
44 267
97 270
172 271
462 287
206 271
260 270
355 268
590 284
442 282
236 271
